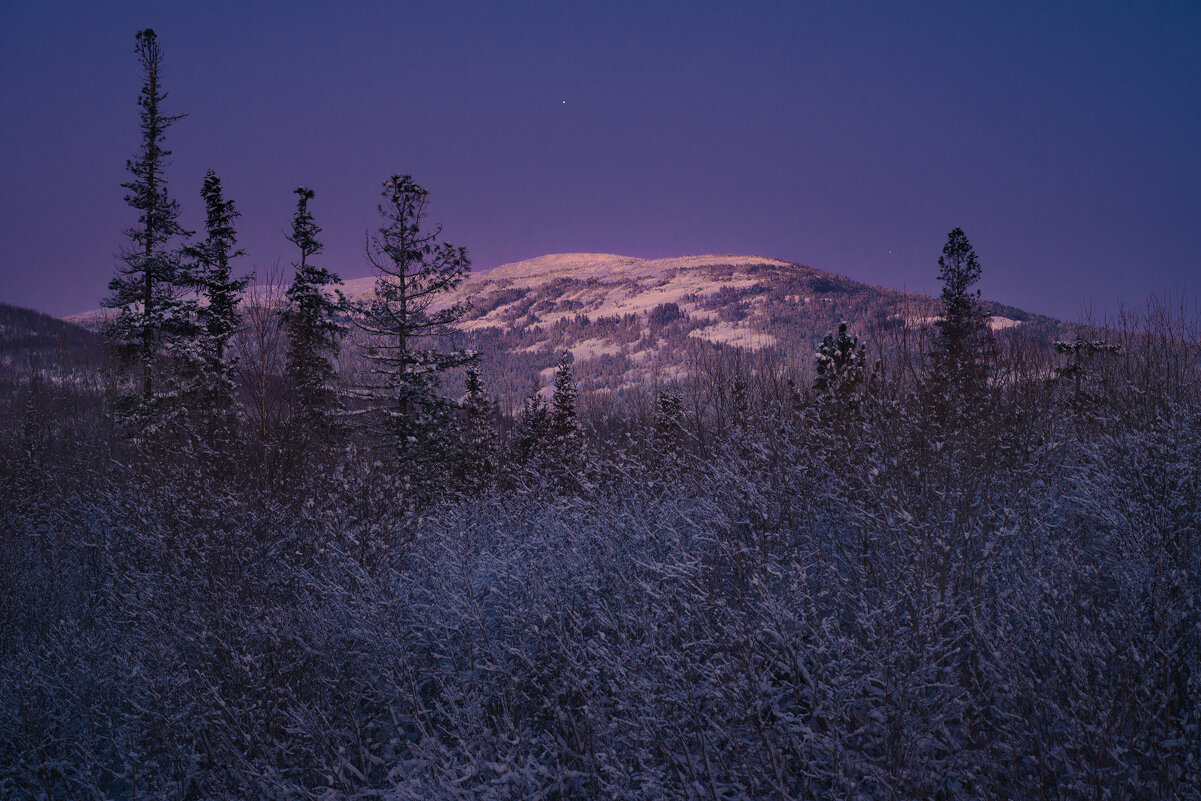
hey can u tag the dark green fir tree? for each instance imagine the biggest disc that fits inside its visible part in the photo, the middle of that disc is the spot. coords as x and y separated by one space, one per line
669 423
314 329
209 267
408 329
564 427
531 428
153 312
477 433
841 366
963 340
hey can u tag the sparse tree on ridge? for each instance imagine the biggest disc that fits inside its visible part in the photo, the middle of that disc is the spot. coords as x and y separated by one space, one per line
312 323
144 292
415 271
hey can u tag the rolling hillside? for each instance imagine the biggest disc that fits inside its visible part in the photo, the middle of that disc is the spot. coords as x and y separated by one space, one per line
32 343
632 322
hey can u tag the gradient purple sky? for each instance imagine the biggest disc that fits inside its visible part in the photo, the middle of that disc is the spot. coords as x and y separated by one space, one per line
1065 138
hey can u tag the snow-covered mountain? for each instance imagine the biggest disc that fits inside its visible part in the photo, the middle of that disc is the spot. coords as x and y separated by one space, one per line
594 285
631 322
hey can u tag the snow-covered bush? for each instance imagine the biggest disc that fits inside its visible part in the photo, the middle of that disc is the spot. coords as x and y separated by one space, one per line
892 607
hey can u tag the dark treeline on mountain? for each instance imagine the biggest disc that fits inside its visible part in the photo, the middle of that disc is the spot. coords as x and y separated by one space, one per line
261 546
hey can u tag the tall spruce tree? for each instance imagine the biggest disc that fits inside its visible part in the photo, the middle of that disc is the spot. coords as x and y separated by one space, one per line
475 399
414 270
151 309
209 273
564 420
312 323
477 433
963 333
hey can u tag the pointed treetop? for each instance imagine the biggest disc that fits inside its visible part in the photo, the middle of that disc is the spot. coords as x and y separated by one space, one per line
564 420
958 267
304 228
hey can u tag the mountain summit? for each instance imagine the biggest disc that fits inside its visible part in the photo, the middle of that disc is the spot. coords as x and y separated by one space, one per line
631 322
592 284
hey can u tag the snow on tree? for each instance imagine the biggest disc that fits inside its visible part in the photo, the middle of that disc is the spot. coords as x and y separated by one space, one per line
869 619
564 426
476 460
841 365
406 323
153 311
669 421
208 272
312 321
740 399
1081 358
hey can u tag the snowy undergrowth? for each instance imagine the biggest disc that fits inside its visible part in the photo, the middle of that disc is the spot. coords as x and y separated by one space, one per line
782 620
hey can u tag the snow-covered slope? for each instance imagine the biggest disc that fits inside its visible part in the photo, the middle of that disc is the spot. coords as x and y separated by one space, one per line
629 321
661 280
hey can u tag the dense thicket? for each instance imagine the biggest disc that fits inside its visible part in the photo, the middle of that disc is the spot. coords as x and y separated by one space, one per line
828 601
959 568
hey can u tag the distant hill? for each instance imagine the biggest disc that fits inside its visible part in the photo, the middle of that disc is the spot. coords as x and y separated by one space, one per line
631 322
36 343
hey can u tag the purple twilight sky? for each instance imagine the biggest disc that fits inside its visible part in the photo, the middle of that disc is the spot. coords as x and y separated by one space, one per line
1064 138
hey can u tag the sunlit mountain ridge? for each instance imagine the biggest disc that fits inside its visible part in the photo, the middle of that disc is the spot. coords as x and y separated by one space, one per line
630 323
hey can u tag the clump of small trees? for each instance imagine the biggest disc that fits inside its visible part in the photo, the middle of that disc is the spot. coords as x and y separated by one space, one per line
176 304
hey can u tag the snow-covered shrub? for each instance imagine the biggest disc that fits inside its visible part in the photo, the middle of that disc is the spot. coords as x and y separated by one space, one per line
889 607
